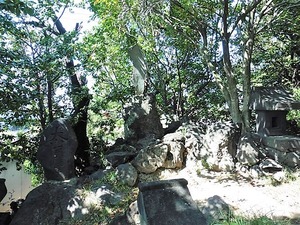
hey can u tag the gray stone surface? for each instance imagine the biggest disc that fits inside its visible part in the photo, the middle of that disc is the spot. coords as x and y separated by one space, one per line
219 146
46 204
215 208
150 159
127 174
56 151
132 214
285 143
163 155
117 158
3 189
168 202
270 166
291 159
142 119
247 152
175 156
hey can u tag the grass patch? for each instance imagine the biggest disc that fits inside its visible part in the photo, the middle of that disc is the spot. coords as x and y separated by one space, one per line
105 213
230 219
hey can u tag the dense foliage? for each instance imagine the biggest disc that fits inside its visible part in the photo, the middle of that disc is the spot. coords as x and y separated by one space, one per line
202 58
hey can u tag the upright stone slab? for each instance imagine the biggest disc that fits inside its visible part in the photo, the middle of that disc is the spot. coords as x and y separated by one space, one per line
142 120
3 189
168 202
56 152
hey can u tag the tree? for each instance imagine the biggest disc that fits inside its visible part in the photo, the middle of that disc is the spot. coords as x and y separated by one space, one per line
37 64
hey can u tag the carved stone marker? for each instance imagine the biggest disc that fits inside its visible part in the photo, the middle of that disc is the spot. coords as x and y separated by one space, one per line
168 202
56 152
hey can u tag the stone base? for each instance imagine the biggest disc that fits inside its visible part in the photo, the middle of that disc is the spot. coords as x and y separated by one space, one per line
284 143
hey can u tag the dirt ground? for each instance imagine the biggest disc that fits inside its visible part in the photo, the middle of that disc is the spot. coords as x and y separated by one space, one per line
244 195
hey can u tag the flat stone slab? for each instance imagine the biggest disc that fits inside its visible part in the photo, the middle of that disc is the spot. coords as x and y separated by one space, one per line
168 202
283 143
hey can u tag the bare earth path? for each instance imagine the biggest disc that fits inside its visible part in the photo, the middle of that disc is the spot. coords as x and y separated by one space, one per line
246 197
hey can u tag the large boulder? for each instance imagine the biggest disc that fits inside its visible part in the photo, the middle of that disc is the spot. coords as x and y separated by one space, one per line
56 151
142 120
219 146
118 158
127 174
54 202
47 204
163 155
3 189
291 159
247 151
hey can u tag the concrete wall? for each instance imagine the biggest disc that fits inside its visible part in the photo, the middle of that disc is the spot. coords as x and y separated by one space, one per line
18 185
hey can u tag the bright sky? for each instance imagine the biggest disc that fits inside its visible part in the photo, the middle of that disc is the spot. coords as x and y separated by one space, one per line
77 15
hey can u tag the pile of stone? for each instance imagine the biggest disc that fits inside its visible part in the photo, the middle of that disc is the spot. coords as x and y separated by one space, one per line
146 147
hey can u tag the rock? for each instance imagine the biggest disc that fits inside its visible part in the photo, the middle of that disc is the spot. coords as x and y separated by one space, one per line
117 158
270 166
56 151
132 213
255 171
142 119
150 140
98 175
131 217
108 197
163 155
127 174
151 158
193 143
279 176
177 136
120 220
168 202
219 146
3 189
215 208
47 204
119 146
291 159
5 218
175 156
247 153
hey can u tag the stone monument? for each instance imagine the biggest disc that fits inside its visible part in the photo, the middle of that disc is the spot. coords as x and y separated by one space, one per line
142 120
57 148
168 202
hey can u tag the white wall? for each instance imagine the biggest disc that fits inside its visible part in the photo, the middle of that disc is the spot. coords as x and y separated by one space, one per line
18 184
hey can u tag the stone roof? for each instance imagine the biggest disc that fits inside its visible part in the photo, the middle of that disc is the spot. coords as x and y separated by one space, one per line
272 98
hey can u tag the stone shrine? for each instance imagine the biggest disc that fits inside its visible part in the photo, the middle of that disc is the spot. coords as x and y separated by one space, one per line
56 152
271 105
168 202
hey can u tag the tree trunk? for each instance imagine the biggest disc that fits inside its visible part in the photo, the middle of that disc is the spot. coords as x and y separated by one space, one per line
248 51
233 102
49 97
41 107
81 100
